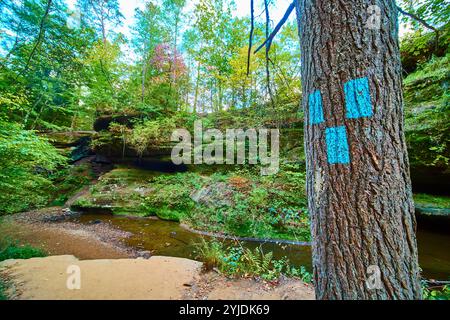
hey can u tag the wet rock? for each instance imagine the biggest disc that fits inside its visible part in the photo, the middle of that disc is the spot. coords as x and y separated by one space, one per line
431 211
82 149
144 254
436 219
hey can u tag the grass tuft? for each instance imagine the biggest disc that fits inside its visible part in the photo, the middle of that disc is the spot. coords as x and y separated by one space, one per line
12 250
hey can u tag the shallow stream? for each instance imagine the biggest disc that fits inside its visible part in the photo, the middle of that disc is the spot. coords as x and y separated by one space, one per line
170 239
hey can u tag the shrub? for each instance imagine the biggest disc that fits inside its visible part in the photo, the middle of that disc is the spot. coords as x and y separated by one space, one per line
171 199
26 164
237 261
151 133
2 291
436 294
12 250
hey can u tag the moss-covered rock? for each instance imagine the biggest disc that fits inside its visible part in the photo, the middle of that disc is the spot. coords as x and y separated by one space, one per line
121 191
432 205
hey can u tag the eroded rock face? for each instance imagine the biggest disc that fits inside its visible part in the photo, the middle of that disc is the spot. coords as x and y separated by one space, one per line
218 194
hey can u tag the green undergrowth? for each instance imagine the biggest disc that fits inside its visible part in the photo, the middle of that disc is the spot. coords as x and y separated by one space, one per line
3 290
239 202
436 293
427 103
13 250
33 173
236 261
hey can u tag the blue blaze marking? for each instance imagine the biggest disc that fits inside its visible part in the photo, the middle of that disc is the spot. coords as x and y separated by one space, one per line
315 108
357 98
337 145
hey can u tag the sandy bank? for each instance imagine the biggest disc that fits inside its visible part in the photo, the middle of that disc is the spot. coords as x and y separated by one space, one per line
153 279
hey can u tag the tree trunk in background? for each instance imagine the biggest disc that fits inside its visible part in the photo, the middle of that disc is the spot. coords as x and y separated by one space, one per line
358 184
144 74
197 84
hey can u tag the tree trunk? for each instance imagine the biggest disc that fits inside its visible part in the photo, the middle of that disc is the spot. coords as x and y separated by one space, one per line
219 96
103 31
358 184
144 74
197 84
40 38
269 89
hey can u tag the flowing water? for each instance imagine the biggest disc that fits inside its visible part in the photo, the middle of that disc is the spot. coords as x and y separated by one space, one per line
169 239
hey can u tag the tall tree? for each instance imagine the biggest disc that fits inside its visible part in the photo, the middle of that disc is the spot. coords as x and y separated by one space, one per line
107 71
147 34
173 10
217 28
42 71
358 182
101 14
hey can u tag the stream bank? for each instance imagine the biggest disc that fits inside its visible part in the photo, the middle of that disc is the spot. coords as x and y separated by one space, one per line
94 236
106 253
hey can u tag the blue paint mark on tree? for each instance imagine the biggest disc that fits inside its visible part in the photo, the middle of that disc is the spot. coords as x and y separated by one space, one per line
315 108
358 105
337 145
357 98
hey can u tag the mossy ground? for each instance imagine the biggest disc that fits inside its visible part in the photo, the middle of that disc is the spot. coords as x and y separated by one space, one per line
432 201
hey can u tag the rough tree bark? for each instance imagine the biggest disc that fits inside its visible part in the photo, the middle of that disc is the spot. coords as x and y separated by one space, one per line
358 182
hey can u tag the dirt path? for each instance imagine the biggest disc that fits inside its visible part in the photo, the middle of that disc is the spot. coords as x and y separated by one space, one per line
154 279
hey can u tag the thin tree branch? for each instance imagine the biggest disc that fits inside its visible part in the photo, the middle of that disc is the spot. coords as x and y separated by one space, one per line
269 40
283 76
40 36
417 18
422 22
269 89
250 41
